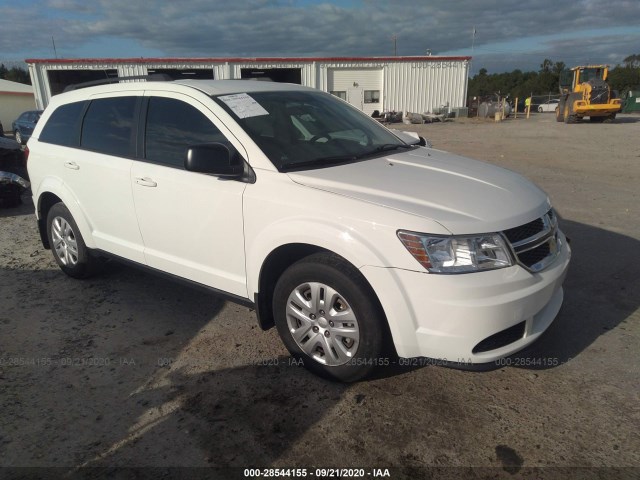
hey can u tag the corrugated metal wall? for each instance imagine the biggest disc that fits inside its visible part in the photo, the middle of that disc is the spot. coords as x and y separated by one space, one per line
415 86
425 86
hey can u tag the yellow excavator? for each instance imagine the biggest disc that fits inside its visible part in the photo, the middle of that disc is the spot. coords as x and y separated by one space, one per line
584 92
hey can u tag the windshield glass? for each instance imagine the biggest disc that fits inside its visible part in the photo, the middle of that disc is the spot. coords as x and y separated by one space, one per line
301 130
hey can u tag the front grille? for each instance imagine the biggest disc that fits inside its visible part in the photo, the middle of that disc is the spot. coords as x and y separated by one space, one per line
535 244
531 257
599 95
501 339
524 231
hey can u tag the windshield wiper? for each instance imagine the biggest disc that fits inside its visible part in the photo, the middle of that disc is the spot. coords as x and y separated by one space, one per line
384 148
338 159
318 162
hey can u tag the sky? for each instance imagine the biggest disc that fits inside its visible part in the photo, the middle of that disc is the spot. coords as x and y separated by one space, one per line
509 34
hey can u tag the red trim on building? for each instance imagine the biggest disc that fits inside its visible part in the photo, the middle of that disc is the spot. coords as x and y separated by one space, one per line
66 61
20 94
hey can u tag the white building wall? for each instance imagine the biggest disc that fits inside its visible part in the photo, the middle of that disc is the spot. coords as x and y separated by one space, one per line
354 81
12 106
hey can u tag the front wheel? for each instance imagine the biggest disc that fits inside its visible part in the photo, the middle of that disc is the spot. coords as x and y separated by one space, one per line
67 244
329 317
560 112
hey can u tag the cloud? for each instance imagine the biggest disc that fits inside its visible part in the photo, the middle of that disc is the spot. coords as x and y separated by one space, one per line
307 28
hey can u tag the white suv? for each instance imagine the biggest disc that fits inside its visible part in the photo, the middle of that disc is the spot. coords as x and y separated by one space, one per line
346 236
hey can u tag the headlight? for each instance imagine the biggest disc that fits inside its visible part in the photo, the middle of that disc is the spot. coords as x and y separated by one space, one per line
457 254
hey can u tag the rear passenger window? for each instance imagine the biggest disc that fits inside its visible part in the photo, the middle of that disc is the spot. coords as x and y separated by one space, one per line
172 126
63 126
108 126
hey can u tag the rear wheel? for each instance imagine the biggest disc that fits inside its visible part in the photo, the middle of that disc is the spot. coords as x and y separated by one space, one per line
328 316
67 244
610 118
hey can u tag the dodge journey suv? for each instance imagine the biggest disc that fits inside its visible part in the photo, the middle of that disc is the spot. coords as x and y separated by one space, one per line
348 237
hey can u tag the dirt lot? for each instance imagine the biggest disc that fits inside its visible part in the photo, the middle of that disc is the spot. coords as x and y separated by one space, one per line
130 370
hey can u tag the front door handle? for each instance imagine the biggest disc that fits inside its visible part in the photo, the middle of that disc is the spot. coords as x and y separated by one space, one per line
72 165
146 182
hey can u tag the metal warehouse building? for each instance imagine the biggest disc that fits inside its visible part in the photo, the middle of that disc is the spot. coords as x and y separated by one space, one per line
414 84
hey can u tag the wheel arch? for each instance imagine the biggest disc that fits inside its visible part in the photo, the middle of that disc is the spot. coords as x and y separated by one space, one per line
275 265
46 199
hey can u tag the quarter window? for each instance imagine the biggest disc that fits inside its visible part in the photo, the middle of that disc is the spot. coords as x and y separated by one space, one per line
372 96
108 126
62 128
173 126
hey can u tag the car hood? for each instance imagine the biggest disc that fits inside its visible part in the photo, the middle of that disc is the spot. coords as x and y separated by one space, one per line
463 195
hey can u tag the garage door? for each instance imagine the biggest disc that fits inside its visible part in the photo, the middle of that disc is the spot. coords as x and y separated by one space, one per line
361 87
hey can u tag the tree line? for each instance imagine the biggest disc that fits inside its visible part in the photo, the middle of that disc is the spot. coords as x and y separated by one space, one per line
545 81
15 74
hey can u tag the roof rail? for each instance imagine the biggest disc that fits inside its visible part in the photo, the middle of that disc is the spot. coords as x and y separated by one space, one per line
156 77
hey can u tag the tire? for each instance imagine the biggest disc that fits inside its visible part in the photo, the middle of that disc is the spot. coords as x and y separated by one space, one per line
67 244
346 351
540 110
610 118
567 114
560 111
18 137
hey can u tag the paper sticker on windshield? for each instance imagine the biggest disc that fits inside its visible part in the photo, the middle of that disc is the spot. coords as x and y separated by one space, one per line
243 105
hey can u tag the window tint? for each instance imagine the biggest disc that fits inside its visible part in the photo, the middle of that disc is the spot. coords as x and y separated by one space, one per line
62 126
108 126
172 126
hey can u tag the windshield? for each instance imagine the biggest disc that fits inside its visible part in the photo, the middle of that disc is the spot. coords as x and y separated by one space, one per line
301 130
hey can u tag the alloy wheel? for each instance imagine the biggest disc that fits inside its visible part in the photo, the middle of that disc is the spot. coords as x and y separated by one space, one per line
322 323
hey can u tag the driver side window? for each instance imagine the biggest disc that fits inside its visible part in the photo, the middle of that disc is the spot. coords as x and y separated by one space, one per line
172 126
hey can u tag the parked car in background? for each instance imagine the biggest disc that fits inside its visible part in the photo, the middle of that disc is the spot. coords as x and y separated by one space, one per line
23 126
548 106
13 172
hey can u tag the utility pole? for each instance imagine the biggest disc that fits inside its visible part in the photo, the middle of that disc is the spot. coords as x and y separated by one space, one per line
473 41
55 52
394 37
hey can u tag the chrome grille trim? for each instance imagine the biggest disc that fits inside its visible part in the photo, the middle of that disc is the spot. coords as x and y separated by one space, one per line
546 240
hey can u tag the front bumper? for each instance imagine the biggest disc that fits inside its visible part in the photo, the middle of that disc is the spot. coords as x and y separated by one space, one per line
447 317
597 109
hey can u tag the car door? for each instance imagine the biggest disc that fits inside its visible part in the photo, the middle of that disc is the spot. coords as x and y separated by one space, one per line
191 223
98 173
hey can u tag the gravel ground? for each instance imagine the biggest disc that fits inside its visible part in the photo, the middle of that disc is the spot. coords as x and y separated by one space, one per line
128 370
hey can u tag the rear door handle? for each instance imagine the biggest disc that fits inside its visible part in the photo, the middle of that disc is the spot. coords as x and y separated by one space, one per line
72 165
145 182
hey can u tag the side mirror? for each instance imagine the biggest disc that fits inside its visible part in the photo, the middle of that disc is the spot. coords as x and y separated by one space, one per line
425 143
215 159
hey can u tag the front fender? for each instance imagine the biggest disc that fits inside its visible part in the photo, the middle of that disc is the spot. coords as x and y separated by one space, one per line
348 243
